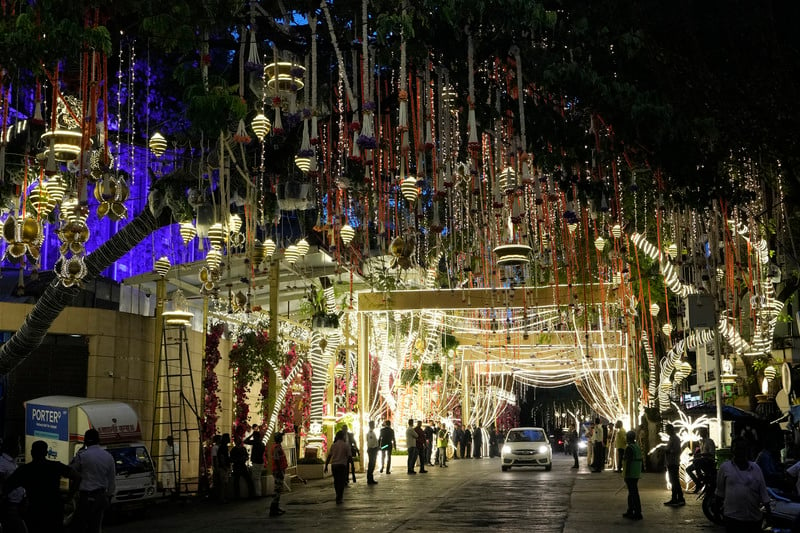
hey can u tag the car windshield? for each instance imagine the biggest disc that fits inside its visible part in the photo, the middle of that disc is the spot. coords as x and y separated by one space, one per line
133 460
526 435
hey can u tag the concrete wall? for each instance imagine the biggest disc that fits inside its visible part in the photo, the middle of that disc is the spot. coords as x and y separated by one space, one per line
120 366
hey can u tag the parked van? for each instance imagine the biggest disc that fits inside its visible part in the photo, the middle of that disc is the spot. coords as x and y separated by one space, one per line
61 422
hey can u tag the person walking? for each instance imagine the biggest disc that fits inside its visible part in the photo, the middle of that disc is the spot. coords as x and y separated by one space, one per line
351 439
97 469
466 443
441 444
740 483
338 456
631 472
620 443
411 446
372 453
573 441
387 444
673 467
257 449
41 481
279 466
239 458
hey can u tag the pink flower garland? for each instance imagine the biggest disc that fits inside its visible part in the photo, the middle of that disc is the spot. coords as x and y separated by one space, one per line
211 388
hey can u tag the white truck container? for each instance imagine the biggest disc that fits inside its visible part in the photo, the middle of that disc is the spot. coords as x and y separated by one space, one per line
61 422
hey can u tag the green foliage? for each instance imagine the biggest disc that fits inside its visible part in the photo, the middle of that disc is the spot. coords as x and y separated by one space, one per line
430 371
409 377
449 342
214 110
251 354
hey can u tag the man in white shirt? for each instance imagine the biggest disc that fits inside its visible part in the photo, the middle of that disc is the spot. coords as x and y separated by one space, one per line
98 472
598 441
169 470
372 453
411 445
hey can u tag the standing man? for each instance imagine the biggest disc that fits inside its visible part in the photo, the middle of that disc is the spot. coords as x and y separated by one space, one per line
441 446
421 444
387 444
597 446
620 443
169 471
631 472
458 434
477 441
257 449
98 483
466 443
430 436
240 471
411 445
741 485
279 466
372 453
41 480
673 467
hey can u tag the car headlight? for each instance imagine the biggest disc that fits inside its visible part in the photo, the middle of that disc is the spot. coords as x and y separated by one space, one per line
581 445
506 449
544 448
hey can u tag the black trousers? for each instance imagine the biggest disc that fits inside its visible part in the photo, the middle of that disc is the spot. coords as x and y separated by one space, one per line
634 503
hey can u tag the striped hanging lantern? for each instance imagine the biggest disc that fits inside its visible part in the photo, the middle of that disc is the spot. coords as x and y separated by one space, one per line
770 373
347 233
216 234
261 126
157 144
187 231
302 247
269 246
409 189
162 266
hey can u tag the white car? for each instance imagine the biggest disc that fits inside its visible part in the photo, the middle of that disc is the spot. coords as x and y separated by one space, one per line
526 447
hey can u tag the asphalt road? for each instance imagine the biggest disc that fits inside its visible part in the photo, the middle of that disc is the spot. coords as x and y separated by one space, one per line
471 494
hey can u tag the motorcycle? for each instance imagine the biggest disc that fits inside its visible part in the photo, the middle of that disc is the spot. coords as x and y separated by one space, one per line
783 511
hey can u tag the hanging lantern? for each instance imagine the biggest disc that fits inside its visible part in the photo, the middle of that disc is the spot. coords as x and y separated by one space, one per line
339 370
672 251
616 231
571 227
261 126
291 254
347 233
508 179
269 246
303 163
654 309
234 223
682 371
157 144
162 266
770 372
187 231
257 253
56 188
302 247
216 234
409 189
512 254
667 329
178 313
600 244
214 259
38 201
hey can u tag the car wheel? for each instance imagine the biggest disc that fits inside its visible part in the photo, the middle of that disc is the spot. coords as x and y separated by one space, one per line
505 468
548 468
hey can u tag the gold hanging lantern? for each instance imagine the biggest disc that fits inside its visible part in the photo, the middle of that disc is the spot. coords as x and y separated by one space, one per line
187 231
261 126
616 231
667 329
672 251
234 223
409 189
216 234
284 76
56 188
214 259
347 233
770 372
654 309
269 246
157 144
291 254
303 163
257 253
162 266
302 247
600 244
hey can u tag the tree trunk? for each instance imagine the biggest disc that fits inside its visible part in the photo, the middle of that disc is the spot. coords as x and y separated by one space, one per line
56 297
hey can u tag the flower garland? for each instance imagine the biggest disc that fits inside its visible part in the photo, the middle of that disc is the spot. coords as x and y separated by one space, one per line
248 358
305 400
286 414
211 388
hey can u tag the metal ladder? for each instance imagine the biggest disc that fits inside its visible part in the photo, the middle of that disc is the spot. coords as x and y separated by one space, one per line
175 413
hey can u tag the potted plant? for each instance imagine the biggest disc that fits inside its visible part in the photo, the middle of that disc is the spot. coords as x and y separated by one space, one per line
310 468
318 307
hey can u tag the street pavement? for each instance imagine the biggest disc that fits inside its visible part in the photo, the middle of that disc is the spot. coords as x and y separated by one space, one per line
471 494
